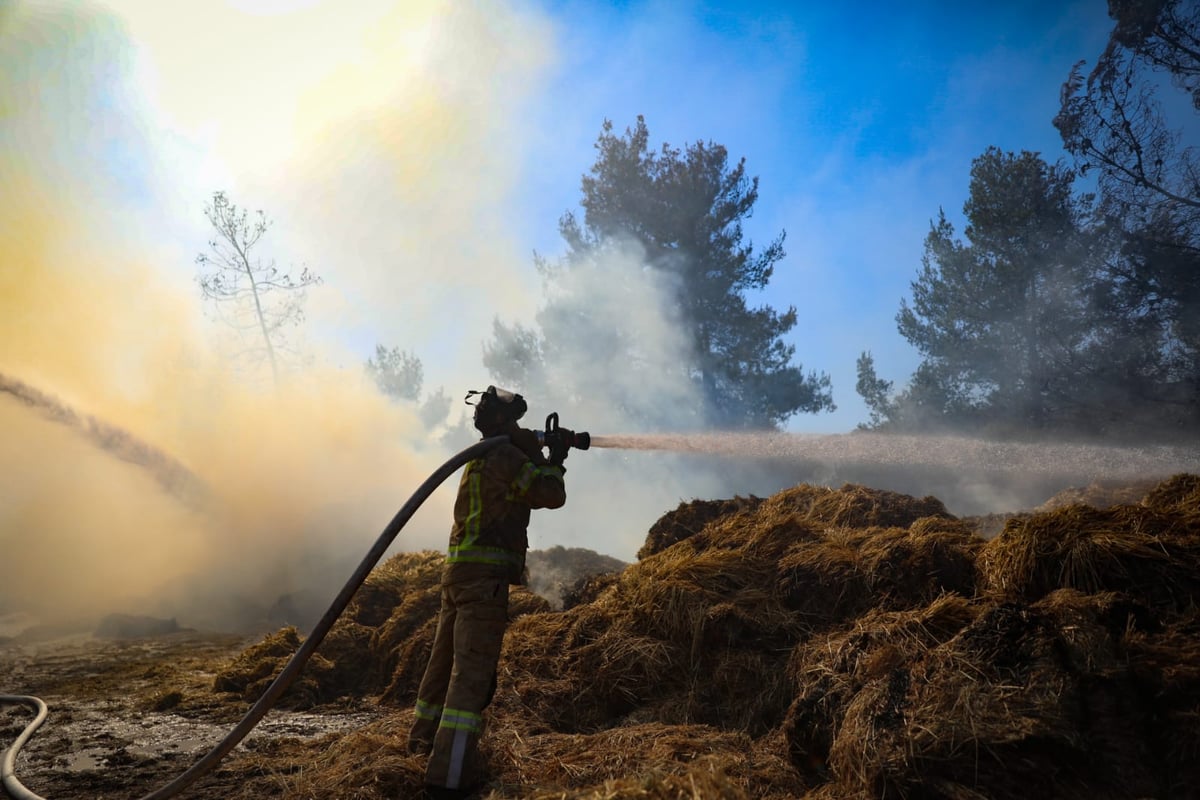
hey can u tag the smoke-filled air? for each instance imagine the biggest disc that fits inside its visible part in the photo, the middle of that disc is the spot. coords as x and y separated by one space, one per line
147 466
172 445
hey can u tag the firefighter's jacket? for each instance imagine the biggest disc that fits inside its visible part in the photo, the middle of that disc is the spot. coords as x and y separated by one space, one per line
491 513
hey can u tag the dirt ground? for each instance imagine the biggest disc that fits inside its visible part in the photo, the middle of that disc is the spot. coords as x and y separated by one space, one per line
128 716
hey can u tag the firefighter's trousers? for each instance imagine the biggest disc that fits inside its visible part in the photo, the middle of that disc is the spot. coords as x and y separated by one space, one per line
460 679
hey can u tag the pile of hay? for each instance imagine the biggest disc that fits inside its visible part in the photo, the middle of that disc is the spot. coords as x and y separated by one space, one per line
689 519
1070 672
701 631
829 643
1099 494
587 589
348 661
555 571
379 645
965 699
1150 551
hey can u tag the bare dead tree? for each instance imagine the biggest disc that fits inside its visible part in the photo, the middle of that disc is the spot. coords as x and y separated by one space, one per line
251 295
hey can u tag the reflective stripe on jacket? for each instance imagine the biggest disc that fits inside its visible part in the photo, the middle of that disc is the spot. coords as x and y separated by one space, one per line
491 513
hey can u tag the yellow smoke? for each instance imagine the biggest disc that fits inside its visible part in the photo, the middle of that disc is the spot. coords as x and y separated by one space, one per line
98 309
312 468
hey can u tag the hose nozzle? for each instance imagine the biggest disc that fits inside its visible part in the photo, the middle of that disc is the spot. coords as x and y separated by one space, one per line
557 436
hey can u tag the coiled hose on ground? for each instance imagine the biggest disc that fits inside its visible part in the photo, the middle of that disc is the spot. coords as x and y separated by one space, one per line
17 790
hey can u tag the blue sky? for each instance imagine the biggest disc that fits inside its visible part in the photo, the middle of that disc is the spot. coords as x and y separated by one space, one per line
860 122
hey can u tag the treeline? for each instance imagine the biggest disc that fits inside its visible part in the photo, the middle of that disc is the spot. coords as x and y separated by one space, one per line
1069 304
1062 310
645 323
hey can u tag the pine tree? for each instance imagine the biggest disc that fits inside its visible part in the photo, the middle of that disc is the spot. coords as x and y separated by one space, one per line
666 226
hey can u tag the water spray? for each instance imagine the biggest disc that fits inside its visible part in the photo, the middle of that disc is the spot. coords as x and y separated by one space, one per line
175 478
958 453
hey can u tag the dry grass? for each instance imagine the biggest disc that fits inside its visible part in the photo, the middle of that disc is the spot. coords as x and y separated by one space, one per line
249 675
1151 552
378 646
1099 494
689 519
371 763
978 697
587 589
1165 665
828 644
636 761
854 506
1179 493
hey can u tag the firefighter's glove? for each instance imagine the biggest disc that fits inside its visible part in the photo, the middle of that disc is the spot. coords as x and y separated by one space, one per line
559 446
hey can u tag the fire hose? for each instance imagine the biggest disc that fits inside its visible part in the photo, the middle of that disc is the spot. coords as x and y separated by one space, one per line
206 764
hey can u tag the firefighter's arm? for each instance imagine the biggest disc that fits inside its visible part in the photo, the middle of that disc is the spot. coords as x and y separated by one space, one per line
547 488
538 485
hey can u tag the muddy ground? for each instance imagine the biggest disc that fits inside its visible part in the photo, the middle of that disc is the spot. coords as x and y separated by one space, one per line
128 716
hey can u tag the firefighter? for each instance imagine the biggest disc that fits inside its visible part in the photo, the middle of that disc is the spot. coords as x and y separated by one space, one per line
487 548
